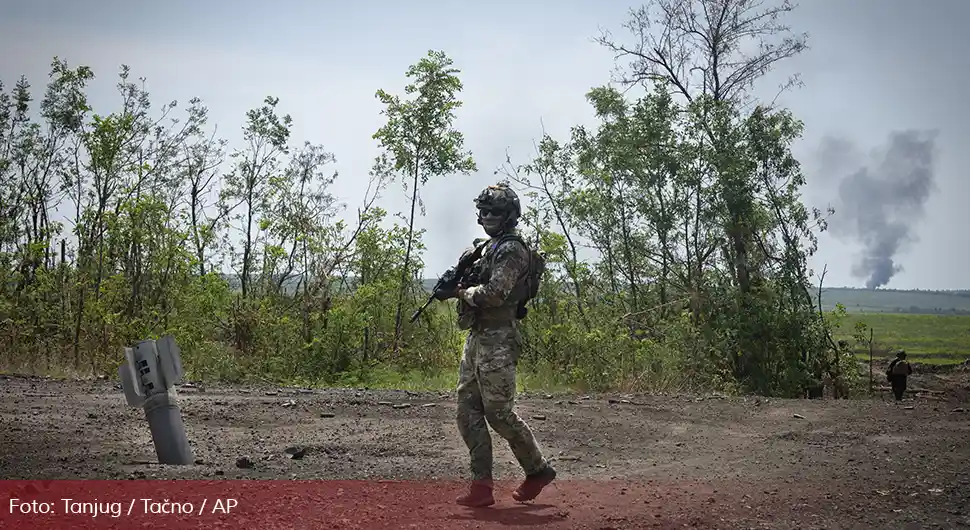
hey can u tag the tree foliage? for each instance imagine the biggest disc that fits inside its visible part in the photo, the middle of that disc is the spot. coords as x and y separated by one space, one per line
419 142
676 237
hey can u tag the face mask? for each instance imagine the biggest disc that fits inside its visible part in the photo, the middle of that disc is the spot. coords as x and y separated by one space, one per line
491 221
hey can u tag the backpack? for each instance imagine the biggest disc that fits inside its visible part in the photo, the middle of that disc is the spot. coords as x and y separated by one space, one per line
901 368
533 274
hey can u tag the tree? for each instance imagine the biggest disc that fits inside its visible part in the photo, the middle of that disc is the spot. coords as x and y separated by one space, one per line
640 216
553 166
251 184
419 142
201 161
701 47
699 54
699 50
34 172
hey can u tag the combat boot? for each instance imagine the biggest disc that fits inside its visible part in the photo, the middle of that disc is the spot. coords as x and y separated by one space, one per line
479 495
534 483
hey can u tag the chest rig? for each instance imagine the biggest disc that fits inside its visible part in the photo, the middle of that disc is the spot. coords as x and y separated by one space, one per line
480 273
481 270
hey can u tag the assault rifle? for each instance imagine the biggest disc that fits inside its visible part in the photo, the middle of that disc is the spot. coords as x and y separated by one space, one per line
454 278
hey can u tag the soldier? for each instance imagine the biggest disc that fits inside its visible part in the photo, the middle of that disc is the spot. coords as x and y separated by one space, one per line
486 381
897 373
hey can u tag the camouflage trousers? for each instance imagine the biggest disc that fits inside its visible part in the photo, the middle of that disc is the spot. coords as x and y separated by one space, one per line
486 397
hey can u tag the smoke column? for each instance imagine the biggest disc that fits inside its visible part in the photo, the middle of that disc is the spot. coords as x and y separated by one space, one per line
881 202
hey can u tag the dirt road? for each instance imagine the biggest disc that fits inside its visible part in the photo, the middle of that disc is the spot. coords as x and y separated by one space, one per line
623 461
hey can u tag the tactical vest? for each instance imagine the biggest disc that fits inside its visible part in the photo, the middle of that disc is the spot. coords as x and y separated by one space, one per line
480 273
483 268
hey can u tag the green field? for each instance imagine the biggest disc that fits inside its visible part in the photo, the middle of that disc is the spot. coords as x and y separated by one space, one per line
932 326
894 301
929 339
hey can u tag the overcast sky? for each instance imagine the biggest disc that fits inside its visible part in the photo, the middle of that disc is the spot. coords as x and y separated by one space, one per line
874 67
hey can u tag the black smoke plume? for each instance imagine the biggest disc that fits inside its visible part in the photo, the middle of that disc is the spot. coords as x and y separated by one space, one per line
882 201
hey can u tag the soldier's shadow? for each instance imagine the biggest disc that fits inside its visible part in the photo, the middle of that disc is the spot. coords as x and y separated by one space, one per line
517 515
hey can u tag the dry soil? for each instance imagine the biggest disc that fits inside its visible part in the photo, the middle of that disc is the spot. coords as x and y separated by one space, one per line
626 461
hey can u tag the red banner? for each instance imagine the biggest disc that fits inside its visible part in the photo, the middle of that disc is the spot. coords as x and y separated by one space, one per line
272 504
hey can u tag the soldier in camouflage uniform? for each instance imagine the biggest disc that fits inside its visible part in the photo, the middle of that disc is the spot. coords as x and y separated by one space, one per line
486 385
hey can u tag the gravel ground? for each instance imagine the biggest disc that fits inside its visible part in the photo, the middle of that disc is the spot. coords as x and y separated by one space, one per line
624 461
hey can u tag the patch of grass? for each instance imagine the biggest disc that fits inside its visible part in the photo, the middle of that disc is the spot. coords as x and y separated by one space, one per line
444 380
386 378
918 359
52 371
930 339
540 381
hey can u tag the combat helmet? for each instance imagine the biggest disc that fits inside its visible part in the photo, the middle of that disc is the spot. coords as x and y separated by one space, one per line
499 198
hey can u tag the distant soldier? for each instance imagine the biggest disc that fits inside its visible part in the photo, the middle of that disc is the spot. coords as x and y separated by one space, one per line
897 373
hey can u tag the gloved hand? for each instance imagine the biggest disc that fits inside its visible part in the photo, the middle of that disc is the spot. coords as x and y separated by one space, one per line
468 295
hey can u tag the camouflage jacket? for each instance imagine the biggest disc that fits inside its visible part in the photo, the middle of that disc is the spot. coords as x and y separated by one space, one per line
501 271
